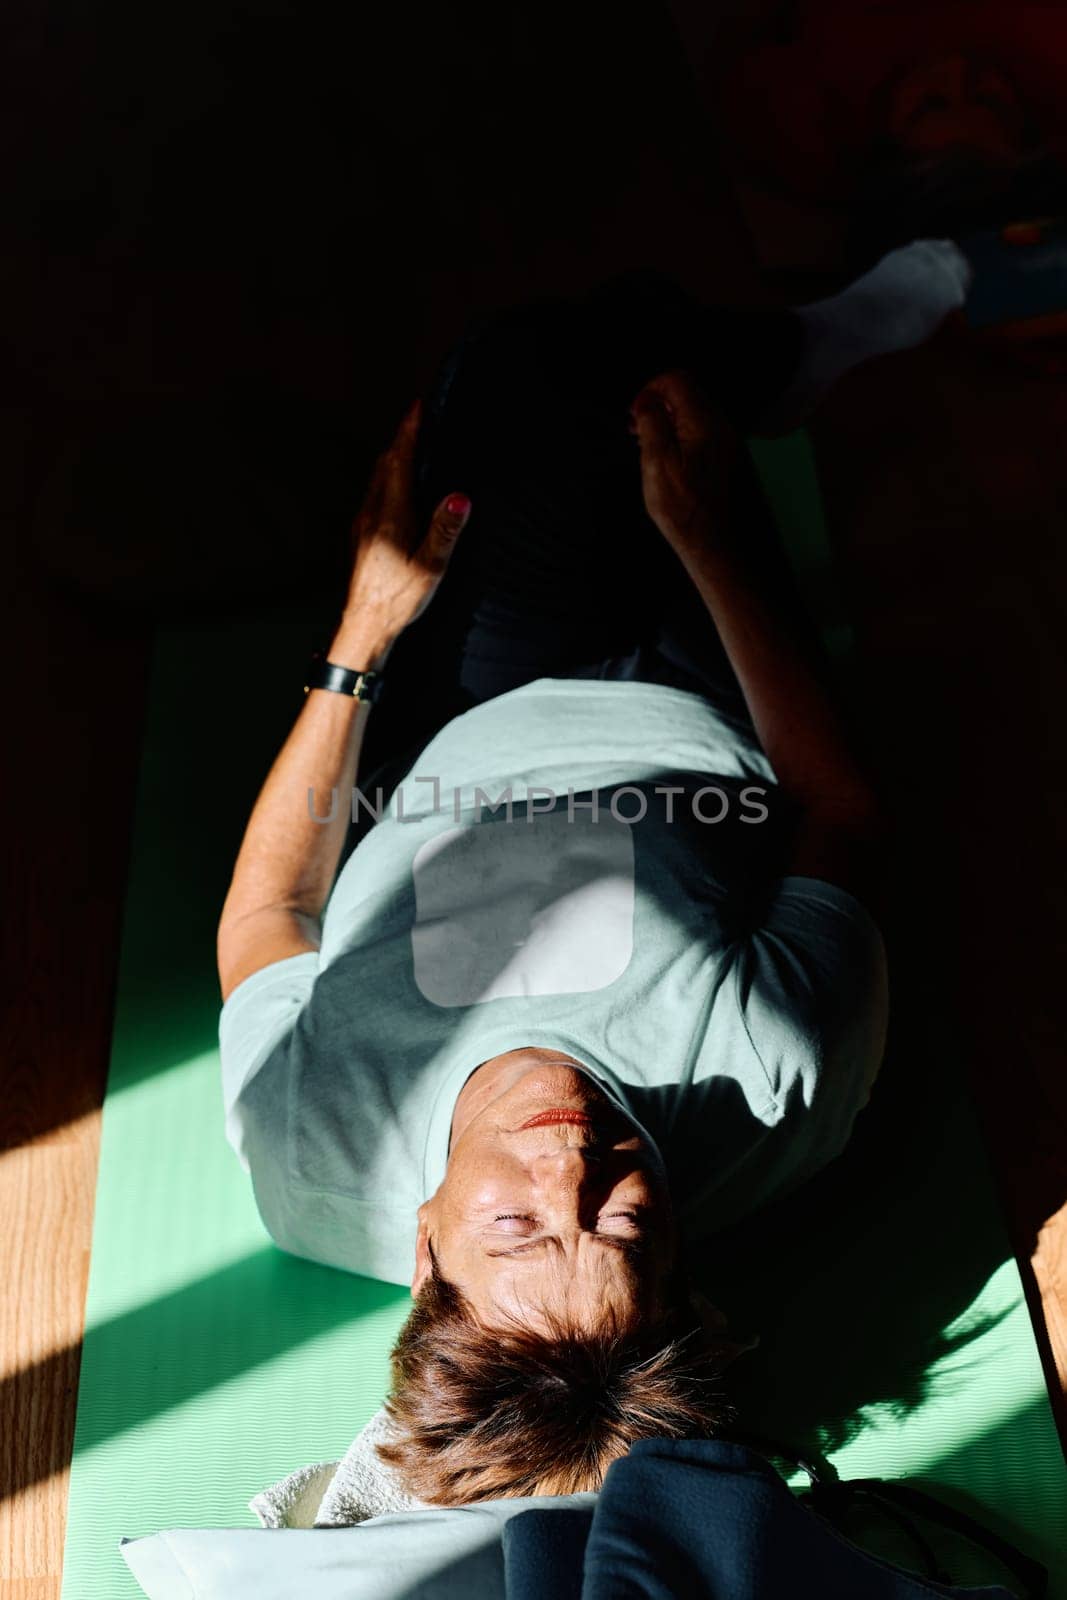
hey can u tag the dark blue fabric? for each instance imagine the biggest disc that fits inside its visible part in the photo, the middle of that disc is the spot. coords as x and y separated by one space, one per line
699 1520
543 1554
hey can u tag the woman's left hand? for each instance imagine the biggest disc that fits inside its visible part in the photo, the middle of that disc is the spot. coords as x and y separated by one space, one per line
395 574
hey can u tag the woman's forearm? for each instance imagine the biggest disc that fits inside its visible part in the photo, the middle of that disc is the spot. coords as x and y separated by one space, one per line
288 859
800 730
688 457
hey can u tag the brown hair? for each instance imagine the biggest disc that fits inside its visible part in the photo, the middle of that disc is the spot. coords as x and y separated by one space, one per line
485 1413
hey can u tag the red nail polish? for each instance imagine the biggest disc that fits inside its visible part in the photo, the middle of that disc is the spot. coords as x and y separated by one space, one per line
457 505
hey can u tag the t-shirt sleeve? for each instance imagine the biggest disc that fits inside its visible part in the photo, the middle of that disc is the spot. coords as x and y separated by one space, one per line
256 1019
814 1000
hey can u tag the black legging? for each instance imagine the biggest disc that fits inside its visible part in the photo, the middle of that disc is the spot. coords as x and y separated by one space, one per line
560 571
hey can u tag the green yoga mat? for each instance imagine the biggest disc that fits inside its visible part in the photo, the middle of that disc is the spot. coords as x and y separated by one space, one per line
894 1337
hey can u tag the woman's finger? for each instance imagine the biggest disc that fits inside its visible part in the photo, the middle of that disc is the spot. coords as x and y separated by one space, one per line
387 500
651 422
695 418
375 495
446 525
401 452
395 460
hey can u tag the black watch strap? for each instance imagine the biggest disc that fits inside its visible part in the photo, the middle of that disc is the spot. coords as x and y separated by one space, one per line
324 674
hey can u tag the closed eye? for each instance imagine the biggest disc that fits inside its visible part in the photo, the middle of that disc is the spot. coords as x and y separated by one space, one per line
526 1222
630 1217
514 1222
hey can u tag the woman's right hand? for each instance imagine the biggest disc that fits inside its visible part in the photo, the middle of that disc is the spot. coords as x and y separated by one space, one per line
397 568
686 451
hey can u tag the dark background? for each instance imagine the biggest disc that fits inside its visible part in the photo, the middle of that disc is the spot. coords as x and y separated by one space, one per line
240 236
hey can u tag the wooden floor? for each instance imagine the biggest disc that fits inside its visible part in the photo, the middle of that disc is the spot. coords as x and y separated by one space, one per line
74 737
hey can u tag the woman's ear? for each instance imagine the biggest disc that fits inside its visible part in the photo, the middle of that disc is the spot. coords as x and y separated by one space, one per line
716 1332
423 1262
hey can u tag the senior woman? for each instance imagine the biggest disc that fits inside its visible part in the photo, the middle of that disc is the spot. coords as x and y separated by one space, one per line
600 978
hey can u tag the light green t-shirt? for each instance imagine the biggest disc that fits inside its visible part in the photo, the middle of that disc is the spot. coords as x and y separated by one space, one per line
625 907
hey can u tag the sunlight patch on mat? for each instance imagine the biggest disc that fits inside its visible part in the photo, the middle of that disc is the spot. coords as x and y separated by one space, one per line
960 1406
195 1203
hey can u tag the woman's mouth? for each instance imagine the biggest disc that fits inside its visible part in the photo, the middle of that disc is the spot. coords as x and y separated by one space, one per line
558 1114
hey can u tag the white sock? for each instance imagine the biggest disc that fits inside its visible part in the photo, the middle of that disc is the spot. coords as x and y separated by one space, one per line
900 303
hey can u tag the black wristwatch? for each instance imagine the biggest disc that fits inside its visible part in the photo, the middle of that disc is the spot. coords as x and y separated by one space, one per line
323 674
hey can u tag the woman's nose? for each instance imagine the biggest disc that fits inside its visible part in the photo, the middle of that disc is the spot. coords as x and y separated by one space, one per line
570 1163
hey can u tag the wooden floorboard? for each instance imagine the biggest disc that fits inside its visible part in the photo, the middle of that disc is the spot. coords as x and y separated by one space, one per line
46 1199
74 734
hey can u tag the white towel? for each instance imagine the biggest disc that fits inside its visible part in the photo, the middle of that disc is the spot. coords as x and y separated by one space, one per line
293 1502
336 1494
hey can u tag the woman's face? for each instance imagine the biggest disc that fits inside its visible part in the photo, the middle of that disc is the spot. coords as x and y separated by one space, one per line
553 1200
